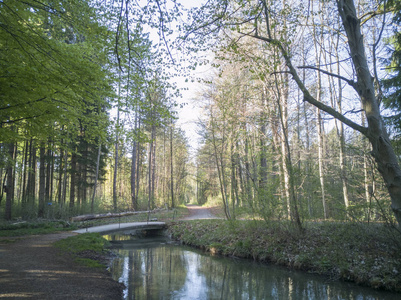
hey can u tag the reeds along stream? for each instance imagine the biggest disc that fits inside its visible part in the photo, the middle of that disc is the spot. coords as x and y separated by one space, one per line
158 268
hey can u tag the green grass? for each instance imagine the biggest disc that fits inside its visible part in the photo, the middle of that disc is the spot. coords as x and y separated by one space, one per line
88 249
33 228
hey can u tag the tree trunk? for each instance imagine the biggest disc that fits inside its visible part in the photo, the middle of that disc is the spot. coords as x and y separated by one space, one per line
73 177
171 167
220 167
320 146
42 181
48 159
116 146
10 183
99 151
24 179
318 40
64 193
30 187
382 149
134 201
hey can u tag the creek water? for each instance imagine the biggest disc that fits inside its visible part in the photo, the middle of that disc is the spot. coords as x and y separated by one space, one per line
158 268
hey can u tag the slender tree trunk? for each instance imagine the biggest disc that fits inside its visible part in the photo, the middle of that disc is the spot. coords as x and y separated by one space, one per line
30 187
292 203
263 149
73 177
99 151
319 124
64 192
341 137
48 159
150 172
248 187
320 146
26 172
153 165
220 167
42 181
138 170
116 148
9 184
171 167
134 201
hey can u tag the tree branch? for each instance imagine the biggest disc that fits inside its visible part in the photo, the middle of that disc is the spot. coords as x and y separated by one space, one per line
307 96
24 118
20 104
350 82
162 30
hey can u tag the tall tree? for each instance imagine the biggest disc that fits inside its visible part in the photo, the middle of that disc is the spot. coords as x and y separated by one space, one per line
246 19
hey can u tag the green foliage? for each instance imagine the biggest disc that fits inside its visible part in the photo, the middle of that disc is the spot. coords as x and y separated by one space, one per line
51 73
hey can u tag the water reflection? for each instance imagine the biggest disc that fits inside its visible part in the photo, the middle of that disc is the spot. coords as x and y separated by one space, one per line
156 268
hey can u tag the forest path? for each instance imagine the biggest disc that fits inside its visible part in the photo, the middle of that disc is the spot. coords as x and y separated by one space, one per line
31 268
198 212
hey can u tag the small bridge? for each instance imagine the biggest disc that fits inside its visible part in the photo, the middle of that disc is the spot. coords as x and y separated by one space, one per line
125 228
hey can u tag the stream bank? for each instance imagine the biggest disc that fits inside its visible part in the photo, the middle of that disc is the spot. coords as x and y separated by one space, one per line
368 255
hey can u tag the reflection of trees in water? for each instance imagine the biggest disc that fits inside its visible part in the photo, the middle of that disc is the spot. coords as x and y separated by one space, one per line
160 272
232 279
152 272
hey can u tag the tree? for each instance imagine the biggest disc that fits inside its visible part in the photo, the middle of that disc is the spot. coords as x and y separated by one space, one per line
259 21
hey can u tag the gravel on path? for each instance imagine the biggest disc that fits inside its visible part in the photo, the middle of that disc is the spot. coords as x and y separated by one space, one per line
31 268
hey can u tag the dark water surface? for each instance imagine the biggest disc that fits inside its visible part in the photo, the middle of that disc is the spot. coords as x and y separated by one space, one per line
157 268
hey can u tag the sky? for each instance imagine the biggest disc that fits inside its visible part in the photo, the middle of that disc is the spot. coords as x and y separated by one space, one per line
189 113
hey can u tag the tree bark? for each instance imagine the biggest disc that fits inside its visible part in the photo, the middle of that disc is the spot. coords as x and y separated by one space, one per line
99 151
382 149
73 178
10 183
42 181
171 167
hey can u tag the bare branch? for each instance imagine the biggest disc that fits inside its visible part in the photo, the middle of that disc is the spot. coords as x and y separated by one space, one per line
307 96
350 82
162 30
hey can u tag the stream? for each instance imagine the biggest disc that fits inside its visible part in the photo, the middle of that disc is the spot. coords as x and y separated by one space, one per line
158 268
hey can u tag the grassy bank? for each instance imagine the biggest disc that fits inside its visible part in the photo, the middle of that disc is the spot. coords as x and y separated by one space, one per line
366 254
33 228
88 249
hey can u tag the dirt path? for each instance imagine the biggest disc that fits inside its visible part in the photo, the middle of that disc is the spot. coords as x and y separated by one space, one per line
30 268
199 212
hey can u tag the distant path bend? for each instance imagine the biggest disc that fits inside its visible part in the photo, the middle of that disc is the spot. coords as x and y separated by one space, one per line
198 212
